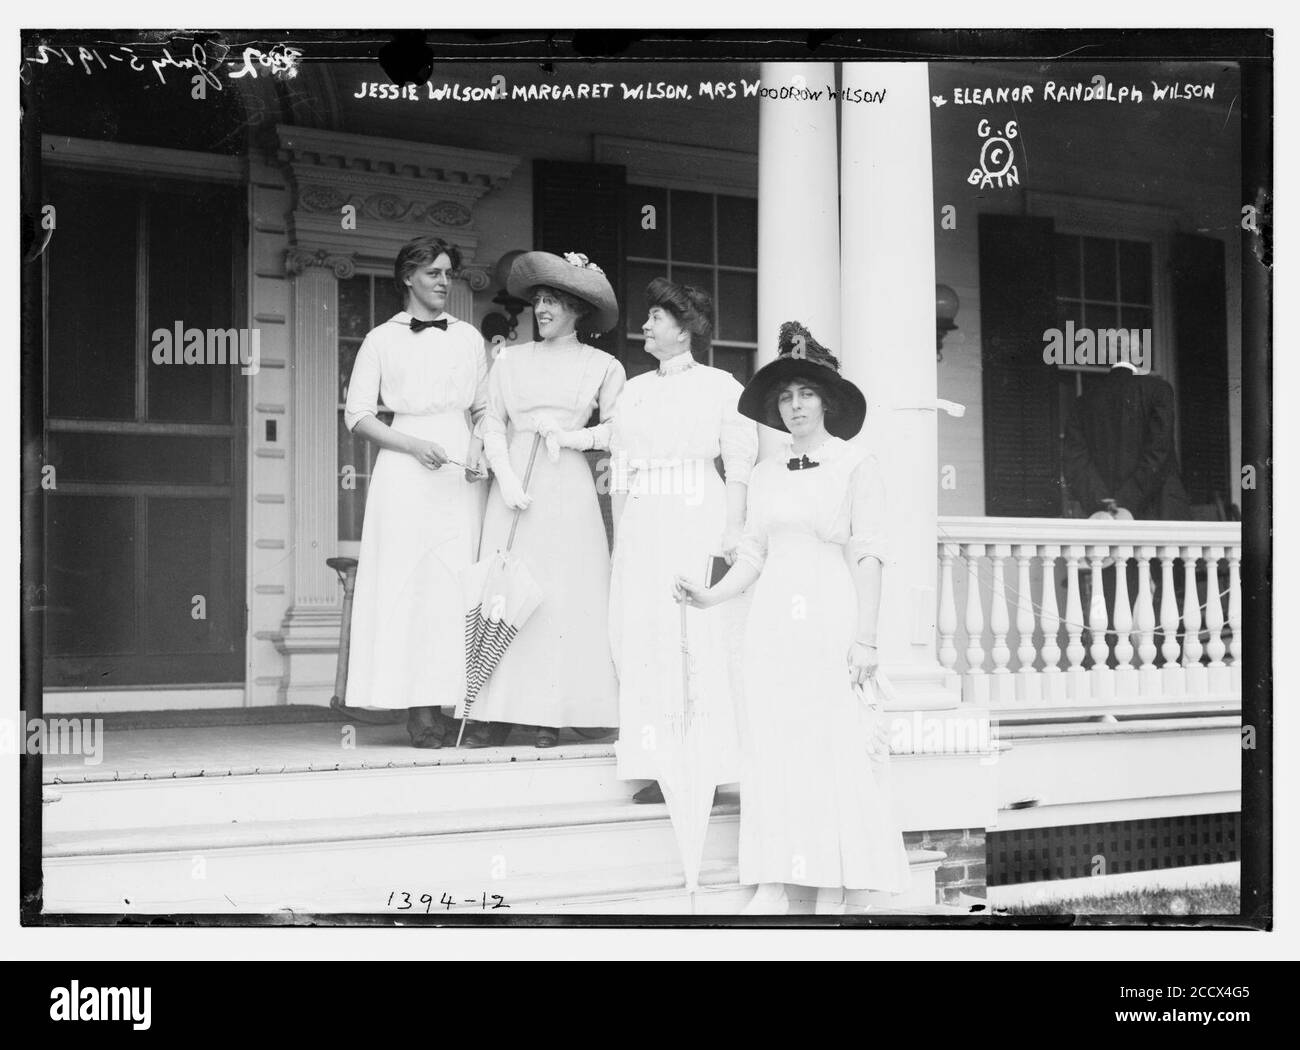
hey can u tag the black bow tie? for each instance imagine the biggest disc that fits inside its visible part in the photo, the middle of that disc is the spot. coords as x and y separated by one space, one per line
801 463
420 326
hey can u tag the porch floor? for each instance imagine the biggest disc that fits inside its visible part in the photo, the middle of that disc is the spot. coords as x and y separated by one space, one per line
241 750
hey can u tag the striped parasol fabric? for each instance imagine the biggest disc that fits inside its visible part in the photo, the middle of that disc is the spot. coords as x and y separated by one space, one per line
500 595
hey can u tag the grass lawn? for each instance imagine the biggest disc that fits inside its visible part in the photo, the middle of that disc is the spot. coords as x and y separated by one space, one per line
1221 899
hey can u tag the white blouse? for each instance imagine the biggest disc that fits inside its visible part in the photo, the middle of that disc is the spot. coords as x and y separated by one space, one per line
418 373
557 384
688 413
841 501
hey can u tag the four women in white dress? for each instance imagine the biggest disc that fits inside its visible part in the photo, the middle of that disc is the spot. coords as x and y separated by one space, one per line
802 741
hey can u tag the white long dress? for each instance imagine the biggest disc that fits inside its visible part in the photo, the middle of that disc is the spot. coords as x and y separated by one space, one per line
815 808
670 427
557 671
421 526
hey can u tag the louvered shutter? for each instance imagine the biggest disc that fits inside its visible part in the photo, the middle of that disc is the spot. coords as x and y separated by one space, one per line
1017 303
1201 351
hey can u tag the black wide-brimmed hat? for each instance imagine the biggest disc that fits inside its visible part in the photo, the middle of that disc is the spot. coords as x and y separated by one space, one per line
572 273
802 357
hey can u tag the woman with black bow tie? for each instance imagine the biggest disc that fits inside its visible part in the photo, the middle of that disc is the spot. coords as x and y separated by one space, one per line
422 515
813 812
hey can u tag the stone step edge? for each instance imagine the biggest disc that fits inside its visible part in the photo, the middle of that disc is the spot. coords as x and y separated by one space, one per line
312 830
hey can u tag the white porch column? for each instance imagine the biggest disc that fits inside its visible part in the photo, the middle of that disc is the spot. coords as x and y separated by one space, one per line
887 288
798 213
311 628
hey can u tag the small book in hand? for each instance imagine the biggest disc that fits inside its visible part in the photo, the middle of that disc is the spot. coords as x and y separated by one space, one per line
717 569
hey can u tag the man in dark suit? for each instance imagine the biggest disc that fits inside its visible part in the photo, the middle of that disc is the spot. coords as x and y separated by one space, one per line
1119 455
1119 446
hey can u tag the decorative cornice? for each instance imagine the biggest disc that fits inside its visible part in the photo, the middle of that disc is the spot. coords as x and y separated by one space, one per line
398 190
298 260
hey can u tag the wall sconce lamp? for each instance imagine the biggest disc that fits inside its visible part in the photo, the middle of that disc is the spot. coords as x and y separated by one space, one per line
946 305
500 328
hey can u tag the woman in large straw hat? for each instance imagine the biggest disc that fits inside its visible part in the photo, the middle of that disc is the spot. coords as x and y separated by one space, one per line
557 672
814 811
671 513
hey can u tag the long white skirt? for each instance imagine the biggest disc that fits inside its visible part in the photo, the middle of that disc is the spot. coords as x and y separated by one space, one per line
672 523
815 806
557 671
408 615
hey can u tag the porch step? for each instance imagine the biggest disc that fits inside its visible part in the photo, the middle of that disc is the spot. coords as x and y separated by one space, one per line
610 857
434 781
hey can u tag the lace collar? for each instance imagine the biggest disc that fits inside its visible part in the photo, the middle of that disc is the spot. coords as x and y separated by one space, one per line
676 365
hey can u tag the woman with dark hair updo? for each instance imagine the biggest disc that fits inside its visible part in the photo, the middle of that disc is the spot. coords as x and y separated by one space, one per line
671 513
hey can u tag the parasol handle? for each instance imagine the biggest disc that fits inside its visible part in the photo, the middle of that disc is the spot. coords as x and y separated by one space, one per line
528 476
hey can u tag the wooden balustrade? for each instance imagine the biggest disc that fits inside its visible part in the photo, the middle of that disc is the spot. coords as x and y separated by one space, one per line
1143 611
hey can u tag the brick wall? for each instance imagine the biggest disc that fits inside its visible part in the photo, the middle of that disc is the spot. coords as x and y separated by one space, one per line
963 871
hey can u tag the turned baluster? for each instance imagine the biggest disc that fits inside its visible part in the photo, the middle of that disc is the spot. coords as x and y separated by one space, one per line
1050 620
977 689
1077 677
1000 621
1234 616
1103 682
1171 675
1126 679
1195 676
1027 687
1144 616
1220 680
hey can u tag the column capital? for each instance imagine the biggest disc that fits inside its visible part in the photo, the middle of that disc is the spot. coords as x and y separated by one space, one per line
298 261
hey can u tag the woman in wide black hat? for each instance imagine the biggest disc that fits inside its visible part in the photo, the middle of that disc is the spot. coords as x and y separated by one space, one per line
813 811
557 672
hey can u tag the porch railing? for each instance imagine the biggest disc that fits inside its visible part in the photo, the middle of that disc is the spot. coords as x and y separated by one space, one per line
1045 612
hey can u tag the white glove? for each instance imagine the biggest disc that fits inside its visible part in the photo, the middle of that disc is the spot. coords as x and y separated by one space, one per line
511 489
556 439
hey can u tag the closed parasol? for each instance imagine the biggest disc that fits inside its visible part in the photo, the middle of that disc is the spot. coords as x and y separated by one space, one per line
500 595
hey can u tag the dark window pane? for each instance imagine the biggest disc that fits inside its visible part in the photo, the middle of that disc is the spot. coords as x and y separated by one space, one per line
637 360
638 276
692 227
387 299
347 359
189 557
736 309
89 574
697 277
1067 268
1070 311
191 285
737 231
1134 272
1099 269
91 260
139 459
1101 316
354 307
1135 316
652 243
357 453
740 363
